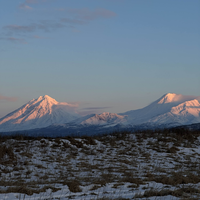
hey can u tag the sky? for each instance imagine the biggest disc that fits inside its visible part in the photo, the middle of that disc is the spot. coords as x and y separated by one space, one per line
102 55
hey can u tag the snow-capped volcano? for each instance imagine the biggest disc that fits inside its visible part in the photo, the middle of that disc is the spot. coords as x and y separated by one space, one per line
45 112
38 113
174 109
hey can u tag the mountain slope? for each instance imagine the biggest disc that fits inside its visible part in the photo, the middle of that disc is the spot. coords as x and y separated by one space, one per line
171 109
38 113
168 111
101 119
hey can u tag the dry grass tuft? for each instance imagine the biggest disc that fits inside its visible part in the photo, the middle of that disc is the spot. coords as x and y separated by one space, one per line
74 186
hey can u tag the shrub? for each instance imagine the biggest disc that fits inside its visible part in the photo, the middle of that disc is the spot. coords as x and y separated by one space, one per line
6 151
74 186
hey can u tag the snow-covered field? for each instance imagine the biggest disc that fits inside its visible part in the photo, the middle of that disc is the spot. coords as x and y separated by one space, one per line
146 165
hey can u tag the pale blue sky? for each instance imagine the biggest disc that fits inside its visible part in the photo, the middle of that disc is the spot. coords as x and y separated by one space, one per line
115 54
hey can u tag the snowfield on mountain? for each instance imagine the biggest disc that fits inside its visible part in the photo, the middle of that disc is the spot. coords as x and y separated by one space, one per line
45 112
101 119
173 109
38 113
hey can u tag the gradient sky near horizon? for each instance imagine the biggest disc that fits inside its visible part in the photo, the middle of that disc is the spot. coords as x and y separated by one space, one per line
104 55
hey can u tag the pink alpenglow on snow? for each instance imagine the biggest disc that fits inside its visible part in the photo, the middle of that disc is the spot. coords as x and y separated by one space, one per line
169 110
38 113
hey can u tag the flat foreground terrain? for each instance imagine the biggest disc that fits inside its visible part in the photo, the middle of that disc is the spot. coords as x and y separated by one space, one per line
146 165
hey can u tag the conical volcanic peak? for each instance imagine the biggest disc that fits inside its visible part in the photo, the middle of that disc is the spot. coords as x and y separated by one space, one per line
175 98
171 108
38 113
47 99
169 98
47 96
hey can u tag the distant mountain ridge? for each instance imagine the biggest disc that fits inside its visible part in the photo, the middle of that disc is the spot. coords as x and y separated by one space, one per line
101 119
168 111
